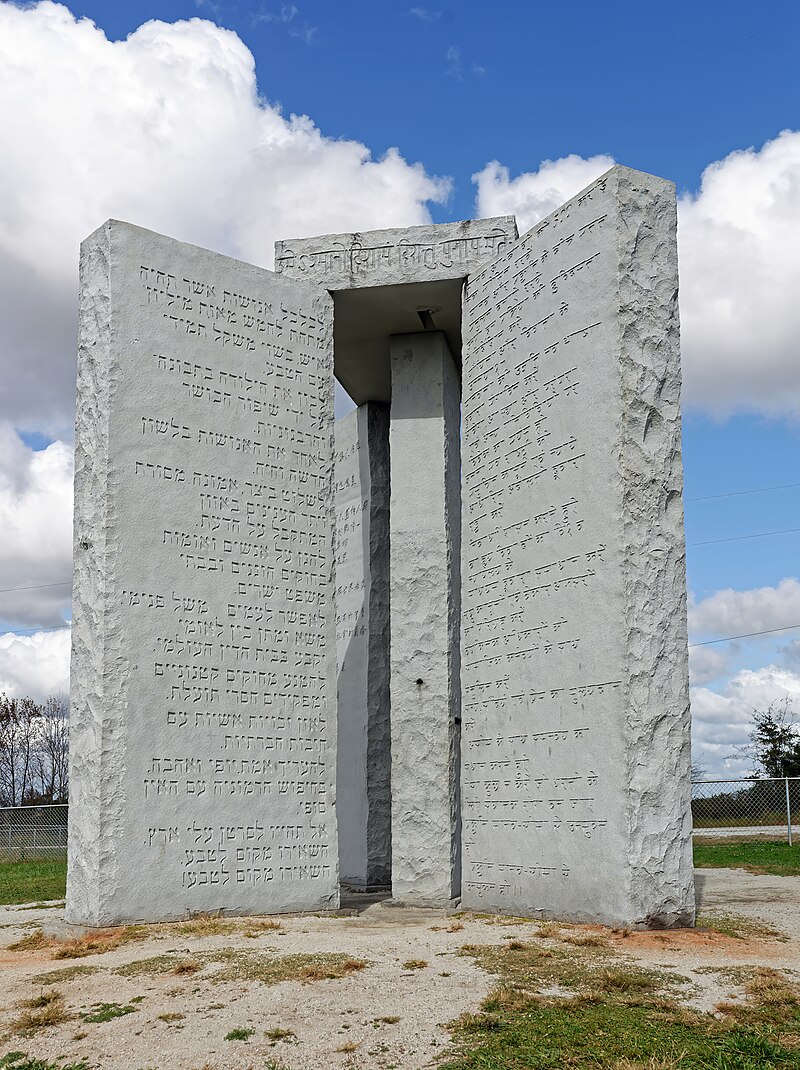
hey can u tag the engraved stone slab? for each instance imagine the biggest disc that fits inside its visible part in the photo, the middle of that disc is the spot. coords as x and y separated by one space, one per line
203 689
363 798
426 253
575 764
425 597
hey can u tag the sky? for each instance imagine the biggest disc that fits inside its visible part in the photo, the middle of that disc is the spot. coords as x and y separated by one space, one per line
231 125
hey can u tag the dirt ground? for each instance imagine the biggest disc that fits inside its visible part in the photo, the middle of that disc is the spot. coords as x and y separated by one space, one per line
178 991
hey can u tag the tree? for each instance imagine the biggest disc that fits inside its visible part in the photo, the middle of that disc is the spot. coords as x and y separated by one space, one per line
774 741
33 750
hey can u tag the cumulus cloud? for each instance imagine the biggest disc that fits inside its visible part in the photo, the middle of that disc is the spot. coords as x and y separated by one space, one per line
533 195
721 719
36 525
739 248
730 612
706 663
34 665
165 129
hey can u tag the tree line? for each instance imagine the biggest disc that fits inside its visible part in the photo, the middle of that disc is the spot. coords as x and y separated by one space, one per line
34 750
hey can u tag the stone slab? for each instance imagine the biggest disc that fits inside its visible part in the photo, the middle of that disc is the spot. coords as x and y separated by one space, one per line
203 663
575 764
427 253
425 599
363 800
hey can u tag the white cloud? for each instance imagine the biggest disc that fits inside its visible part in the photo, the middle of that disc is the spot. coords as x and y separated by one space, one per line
739 249
740 275
706 663
36 526
730 612
721 719
34 665
535 194
165 129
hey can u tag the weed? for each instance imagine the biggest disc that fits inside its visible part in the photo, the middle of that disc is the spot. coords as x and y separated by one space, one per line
239 1034
41 1012
106 1012
186 967
234 964
67 973
18 1060
387 1019
739 928
548 930
349 1047
171 1016
278 1034
415 964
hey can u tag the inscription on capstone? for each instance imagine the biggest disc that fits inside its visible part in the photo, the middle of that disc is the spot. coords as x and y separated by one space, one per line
554 515
203 709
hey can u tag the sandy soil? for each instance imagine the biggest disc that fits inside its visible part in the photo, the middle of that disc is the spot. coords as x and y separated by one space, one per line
338 1022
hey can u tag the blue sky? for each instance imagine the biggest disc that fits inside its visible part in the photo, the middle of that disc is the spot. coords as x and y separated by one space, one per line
178 141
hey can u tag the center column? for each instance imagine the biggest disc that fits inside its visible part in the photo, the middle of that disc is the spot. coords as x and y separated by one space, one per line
425 525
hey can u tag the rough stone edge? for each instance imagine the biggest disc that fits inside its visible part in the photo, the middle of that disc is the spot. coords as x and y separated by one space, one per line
98 658
650 470
379 758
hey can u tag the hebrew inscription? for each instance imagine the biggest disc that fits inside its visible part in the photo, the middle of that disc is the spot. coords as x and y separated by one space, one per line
203 691
553 516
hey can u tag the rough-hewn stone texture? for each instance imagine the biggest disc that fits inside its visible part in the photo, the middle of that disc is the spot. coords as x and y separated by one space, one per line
425 599
203 665
575 766
363 800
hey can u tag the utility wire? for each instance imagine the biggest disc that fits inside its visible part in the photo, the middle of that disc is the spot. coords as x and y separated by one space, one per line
740 538
36 587
737 493
747 635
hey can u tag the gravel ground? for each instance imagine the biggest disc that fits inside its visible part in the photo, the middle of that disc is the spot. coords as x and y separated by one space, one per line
386 1016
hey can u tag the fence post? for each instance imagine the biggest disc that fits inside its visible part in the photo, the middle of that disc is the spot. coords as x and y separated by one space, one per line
788 810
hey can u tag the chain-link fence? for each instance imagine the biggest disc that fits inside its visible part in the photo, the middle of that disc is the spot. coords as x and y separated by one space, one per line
33 832
755 809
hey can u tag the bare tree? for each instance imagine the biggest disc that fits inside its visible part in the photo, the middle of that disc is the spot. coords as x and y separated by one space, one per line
33 750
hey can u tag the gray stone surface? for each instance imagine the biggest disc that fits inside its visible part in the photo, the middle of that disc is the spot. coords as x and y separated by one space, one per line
203 665
425 600
363 799
426 253
575 694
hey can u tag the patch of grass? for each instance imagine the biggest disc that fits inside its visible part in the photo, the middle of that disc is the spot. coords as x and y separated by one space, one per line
171 1016
387 1019
45 1010
253 965
239 1034
349 1047
67 973
96 942
415 964
18 1060
766 856
278 1034
32 881
186 967
738 927
617 1016
216 924
106 1012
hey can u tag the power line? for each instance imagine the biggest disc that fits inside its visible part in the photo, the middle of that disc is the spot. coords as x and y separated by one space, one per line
741 538
737 493
747 635
36 587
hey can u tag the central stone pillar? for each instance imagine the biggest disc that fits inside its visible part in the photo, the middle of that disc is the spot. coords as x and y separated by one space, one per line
425 519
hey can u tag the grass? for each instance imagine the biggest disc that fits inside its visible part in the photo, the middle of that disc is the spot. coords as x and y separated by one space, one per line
252 965
738 927
45 1010
766 856
57 977
106 1012
239 1034
555 1008
34 881
18 1060
278 1034
90 943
